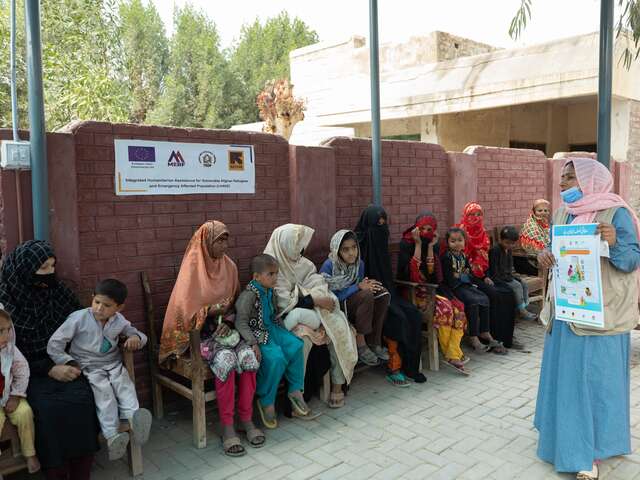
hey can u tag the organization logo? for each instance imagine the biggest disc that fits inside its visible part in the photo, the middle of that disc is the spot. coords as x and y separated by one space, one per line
236 160
207 159
141 154
176 159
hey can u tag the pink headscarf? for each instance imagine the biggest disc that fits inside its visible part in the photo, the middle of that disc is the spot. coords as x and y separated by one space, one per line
596 182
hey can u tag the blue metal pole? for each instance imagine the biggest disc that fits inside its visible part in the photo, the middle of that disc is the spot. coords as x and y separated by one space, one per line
14 87
605 81
376 146
37 136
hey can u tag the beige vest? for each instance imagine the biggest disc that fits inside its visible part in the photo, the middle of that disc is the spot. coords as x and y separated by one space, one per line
620 289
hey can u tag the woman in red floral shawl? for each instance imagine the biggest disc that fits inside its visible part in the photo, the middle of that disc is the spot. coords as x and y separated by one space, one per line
503 306
419 262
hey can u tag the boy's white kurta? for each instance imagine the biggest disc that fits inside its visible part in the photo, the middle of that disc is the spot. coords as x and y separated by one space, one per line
101 363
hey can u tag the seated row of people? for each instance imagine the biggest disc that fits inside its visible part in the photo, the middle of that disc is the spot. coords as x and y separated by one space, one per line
290 322
294 322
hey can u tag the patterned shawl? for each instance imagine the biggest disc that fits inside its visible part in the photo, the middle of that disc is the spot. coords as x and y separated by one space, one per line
37 312
477 245
342 275
202 281
596 182
298 277
534 236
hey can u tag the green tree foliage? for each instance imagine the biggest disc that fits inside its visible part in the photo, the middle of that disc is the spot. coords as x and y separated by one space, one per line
628 22
146 55
193 93
262 54
110 60
82 62
5 74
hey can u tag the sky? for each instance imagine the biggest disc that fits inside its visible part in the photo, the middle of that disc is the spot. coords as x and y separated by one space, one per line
481 20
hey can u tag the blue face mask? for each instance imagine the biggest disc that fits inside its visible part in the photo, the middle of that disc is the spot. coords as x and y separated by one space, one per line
571 195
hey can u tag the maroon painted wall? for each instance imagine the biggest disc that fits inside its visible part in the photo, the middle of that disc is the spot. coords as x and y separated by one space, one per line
415 177
98 235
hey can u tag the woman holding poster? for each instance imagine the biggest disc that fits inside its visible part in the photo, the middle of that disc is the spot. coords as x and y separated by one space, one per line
582 412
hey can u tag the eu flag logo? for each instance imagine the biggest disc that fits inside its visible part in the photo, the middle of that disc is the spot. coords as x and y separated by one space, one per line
142 154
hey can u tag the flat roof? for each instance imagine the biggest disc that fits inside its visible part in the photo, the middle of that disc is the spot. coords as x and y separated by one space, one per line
558 70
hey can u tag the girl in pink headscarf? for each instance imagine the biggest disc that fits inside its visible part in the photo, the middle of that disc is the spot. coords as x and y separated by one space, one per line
582 412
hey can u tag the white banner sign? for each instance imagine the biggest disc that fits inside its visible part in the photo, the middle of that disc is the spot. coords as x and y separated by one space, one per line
167 168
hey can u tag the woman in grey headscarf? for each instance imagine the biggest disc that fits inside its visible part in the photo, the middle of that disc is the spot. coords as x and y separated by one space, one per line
365 301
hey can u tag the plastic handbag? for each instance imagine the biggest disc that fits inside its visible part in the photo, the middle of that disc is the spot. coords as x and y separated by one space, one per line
548 312
230 340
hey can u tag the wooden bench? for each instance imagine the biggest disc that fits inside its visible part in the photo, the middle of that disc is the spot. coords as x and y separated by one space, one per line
191 370
11 459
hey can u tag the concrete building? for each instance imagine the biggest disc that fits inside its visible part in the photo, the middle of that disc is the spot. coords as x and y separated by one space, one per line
456 92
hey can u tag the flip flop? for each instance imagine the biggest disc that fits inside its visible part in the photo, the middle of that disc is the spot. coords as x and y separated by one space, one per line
460 369
229 443
480 349
398 380
309 416
270 423
496 347
297 406
141 425
256 438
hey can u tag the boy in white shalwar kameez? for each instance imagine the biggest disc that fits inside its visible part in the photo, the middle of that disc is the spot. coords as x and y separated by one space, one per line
93 334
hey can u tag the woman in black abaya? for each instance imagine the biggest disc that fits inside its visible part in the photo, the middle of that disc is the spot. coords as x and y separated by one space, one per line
403 326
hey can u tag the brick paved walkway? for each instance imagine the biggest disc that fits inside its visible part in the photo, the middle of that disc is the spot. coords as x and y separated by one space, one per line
452 427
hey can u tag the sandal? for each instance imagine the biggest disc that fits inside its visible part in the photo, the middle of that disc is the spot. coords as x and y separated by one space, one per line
336 400
457 367
233 447
299 407
269 422
496 347
256 437
309 416
589 475
398 380
479 347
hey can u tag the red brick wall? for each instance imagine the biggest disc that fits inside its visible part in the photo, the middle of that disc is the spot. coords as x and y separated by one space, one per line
633 155
9 227
99 235
122 236
509 180
415 177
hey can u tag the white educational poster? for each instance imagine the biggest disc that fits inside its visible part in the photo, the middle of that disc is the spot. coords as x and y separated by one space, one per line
577 280
146 167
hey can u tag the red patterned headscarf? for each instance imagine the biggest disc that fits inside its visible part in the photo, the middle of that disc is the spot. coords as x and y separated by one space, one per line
477 245
423 219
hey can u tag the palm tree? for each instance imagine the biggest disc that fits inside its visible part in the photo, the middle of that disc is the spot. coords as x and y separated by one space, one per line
629 21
